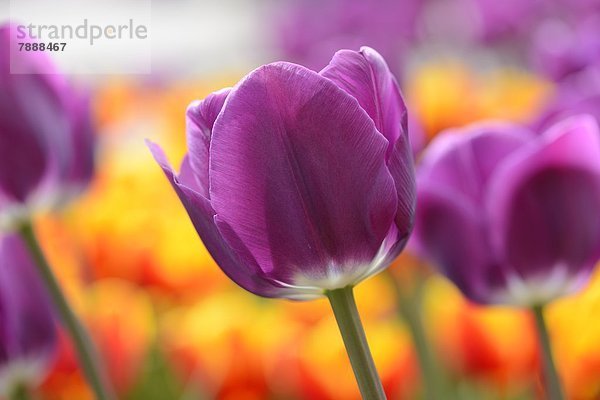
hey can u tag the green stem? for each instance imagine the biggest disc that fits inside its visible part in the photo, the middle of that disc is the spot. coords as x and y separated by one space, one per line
353 334
20 392
410 302
83 345
553 387
430 373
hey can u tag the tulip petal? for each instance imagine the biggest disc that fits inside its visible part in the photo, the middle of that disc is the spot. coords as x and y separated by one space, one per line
298 172
186 174
450 232
365 76
27 332
32 120
401 166
463 161
242 270
545 205
19 175
81 168
201 116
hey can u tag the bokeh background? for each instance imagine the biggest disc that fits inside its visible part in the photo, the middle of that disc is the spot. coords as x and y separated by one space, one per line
168 322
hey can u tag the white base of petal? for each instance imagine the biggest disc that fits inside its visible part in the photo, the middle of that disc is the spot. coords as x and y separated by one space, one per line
28 372
306 287
539 290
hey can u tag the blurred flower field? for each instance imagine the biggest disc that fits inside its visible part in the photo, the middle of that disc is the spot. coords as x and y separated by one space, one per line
170 325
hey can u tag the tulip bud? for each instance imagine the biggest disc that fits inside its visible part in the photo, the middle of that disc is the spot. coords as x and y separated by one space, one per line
511 217
300 182
46 137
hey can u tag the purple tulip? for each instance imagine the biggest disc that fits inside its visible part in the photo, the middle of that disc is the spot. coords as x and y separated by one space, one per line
506 19
308 32
561 49
46 137
27 331
511 217
578 94
576 8
300 182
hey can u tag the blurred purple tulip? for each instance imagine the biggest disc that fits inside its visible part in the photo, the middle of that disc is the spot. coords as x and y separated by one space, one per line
310 31
561 48
485 21
507 18
299 182
576 8
27 331
511 217
46 136
577 94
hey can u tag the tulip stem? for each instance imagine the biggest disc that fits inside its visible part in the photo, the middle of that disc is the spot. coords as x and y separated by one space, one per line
83 345
20 392
552 380
410 297
434 385
347 317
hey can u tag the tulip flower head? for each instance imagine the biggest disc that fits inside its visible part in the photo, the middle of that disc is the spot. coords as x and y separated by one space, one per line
46 139
512 217
27 332
300 182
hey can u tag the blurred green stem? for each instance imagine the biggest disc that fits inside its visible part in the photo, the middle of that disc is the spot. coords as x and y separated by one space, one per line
410 301
83 345
552 380
346 314
20 392
431 375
